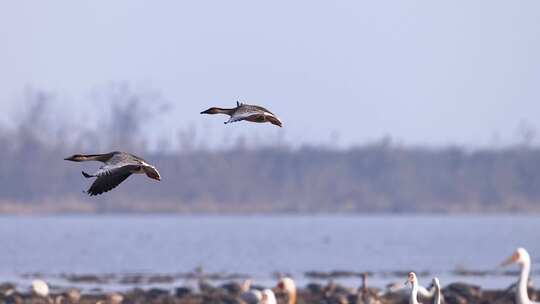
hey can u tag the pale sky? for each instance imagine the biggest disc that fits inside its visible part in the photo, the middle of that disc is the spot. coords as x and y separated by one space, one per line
424 72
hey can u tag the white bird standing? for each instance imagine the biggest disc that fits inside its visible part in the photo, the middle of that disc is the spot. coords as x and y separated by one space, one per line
423 293
413 282
522 258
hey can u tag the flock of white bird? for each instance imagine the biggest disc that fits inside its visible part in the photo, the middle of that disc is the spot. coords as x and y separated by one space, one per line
520 257
287 286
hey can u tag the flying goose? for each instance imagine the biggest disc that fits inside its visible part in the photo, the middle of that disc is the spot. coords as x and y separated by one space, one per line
246 112
118 166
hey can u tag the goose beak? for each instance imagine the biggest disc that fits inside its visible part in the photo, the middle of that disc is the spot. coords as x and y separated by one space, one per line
71 158
206 111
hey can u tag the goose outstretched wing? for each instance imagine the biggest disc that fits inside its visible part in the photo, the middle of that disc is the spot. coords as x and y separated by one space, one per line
109 178
256 116
239 117
259 108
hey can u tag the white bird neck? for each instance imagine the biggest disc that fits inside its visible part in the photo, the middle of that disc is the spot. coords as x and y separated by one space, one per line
291 297
437 298
521 295
414 293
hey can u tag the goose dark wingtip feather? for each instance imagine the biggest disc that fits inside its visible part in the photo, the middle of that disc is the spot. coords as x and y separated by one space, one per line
86 174
93 193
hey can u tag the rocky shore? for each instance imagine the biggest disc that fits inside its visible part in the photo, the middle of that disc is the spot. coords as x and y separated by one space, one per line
233 291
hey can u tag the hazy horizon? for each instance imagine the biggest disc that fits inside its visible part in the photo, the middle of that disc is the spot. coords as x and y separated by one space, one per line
422 73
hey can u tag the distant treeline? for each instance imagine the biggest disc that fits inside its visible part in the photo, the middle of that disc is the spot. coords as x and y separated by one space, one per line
379 177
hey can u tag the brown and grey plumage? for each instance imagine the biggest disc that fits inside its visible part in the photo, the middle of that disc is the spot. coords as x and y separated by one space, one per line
117 167
246 112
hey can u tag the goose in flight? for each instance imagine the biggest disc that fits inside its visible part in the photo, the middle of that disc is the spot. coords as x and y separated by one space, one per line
117 167
246 112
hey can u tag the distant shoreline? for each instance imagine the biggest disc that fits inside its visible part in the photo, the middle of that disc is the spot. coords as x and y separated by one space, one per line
51 210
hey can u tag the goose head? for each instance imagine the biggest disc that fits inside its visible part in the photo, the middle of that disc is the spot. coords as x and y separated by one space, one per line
212 110
520 256
76 158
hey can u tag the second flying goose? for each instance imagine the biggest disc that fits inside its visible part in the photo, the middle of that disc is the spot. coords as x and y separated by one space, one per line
246 112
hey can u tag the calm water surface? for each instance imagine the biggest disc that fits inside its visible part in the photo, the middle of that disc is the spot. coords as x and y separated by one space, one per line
261 245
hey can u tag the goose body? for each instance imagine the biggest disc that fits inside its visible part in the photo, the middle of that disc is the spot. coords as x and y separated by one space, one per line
118 166
246 112
523 259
